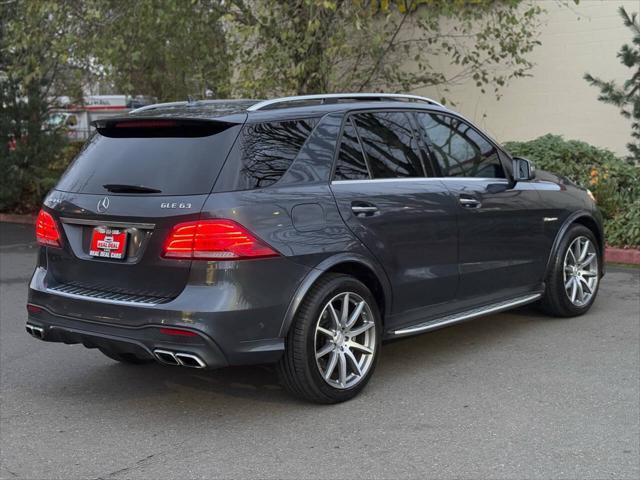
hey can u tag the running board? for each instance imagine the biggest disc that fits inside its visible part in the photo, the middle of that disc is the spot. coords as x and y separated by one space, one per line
468 315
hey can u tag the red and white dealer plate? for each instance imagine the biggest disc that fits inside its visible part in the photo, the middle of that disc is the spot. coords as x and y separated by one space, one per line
108 243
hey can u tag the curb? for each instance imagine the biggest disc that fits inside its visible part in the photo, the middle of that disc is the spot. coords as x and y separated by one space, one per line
629 256
622 255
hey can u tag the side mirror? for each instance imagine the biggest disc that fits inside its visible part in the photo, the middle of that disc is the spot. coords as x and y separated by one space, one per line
523 169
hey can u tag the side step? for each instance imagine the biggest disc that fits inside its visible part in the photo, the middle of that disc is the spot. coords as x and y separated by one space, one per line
468 315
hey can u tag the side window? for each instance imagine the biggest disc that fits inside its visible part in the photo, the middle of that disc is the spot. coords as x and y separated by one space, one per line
459 150
351 164
267 150
387 139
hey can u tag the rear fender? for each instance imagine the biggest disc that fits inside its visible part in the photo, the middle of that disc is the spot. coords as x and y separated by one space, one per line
323 268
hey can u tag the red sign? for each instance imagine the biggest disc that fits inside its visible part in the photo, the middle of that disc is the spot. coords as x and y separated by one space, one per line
108 243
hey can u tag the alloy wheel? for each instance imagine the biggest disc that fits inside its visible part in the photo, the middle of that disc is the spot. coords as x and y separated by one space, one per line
345 340
580 272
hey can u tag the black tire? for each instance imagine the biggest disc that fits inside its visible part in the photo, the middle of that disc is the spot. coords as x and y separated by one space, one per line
128 358
555 301
297 369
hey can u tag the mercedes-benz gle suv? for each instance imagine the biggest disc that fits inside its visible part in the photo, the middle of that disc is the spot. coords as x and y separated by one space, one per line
300 231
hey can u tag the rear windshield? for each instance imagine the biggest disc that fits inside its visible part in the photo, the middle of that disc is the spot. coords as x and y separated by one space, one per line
168 162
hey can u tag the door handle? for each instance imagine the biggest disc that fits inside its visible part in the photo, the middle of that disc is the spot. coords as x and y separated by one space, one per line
468 202
362 210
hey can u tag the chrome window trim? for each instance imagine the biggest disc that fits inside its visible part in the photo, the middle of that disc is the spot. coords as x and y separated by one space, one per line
422 179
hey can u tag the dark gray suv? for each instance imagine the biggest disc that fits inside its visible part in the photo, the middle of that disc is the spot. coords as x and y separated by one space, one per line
300 231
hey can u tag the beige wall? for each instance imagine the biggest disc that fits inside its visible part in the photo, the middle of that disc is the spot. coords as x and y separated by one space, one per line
576 39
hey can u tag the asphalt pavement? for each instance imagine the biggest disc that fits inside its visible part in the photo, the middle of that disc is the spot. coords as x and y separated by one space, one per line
513 395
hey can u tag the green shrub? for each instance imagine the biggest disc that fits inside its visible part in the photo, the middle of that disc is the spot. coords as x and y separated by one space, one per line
614 182
624 229
31 170
26 173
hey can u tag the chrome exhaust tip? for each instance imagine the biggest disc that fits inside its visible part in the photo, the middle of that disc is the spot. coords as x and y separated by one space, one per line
167 357
35 331
189 360
179 358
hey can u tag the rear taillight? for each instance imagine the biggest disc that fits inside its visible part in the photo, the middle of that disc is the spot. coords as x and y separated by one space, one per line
214 240
47 230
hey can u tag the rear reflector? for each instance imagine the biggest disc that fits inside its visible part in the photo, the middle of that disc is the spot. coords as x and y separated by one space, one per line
214 240
47 230
176 332
33 308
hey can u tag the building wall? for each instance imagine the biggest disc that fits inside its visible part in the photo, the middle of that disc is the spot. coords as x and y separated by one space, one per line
575 39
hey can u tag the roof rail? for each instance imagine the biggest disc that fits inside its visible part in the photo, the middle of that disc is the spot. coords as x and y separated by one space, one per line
153 106
267 104
222 101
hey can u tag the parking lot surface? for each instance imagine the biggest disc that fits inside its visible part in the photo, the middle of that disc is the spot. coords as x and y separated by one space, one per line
513 395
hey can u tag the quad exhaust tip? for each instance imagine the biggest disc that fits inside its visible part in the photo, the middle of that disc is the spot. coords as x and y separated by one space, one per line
35 331
179 358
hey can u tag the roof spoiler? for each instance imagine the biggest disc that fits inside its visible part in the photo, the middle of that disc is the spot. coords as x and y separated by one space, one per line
123 127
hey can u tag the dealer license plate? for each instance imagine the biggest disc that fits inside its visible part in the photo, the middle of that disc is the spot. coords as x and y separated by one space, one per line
108 243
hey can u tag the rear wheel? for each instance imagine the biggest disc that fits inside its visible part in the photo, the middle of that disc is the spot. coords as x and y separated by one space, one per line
332 346
129 358
572 283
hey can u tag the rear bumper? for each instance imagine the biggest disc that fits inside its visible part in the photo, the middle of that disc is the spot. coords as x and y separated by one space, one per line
142 342
145 341
237 317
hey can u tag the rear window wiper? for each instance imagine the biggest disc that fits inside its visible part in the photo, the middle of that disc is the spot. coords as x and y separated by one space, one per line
123 188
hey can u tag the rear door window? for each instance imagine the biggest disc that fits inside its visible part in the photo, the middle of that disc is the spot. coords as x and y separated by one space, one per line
174 161
351 164
389 144
458 148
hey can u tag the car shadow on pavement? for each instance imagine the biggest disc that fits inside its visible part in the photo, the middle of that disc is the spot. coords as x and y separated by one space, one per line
260 383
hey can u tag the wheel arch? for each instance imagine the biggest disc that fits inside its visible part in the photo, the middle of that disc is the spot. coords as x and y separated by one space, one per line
358 266
578 218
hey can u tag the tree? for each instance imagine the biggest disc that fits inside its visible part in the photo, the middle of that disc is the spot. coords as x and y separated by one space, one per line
311 46
169 50
627 96
37 44
173 49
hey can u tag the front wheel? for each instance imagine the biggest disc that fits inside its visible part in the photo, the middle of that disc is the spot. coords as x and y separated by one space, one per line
332 347
574 278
